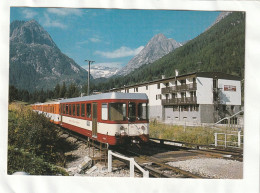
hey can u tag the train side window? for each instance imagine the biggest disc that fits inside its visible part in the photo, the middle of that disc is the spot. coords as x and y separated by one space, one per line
69 109
66 109
83 106
88 110
117 111
78 109
73 110
104 111
142 111
131 111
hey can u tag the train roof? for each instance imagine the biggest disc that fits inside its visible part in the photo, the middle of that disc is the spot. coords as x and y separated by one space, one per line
112 95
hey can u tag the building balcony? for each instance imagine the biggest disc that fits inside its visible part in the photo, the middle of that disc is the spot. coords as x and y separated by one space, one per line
180 101
179 88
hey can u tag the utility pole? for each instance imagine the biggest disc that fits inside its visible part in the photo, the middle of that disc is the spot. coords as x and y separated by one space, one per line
89 62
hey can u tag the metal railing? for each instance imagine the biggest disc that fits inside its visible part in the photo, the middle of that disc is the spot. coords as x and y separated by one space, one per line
237 144
179 101
183 87
228 118
133 164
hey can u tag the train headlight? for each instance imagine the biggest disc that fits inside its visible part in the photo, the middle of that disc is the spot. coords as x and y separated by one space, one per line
143 128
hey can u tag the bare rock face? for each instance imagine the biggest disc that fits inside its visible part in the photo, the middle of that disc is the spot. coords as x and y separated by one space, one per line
35 60
156 48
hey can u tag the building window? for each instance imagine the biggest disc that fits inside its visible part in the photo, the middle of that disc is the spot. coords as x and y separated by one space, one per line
167 96
146 87
136 89
232 107
183 82
158 86
158 96
196 107
215 83
167 84
183 95
185 108
193 94
175 108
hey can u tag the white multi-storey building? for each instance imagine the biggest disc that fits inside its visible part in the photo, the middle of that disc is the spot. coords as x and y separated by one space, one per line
201 97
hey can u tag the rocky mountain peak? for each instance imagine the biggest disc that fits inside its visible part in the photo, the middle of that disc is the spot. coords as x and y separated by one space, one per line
156 48
35 60
30 32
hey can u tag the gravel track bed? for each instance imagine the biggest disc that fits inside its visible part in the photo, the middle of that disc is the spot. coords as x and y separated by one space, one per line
212 167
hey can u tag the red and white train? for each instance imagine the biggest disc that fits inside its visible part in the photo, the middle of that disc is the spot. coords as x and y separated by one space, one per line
112 118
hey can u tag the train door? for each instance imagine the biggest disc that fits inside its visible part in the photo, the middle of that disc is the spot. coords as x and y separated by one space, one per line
94 119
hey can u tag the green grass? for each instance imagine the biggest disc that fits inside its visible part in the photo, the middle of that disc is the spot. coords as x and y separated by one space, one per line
195 135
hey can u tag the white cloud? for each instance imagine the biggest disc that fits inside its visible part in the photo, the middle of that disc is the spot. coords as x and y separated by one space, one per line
95 40
65 11
121 52
48 22
82 42
29 14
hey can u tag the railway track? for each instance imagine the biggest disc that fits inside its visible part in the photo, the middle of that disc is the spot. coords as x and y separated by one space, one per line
158 169
155 155
228 153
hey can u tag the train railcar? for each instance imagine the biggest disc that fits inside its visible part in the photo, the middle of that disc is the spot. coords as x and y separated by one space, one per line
50 110
112 118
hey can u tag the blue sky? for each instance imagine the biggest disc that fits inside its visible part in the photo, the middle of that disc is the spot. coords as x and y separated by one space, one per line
112 36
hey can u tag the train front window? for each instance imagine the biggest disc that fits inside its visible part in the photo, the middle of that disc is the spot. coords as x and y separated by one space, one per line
131 111
142 111
104 111
117 111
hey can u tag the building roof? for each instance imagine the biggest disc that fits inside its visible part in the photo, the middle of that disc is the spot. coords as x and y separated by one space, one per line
217 75
111 95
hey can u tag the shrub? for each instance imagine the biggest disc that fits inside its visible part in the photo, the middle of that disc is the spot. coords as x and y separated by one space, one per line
34 134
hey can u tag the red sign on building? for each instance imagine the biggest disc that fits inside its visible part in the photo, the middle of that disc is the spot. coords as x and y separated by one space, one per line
229 88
